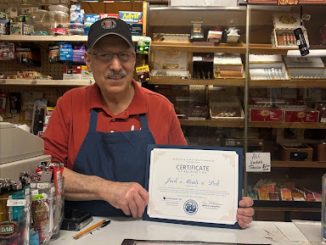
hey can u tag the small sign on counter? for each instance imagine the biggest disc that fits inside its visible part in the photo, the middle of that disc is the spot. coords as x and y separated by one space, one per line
258 162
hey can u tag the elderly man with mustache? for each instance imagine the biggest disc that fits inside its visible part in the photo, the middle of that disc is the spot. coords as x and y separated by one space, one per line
101 132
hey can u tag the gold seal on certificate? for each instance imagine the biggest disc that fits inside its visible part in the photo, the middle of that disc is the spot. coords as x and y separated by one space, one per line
193 185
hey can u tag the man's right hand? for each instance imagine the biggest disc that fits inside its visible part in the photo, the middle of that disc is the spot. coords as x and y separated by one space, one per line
130 197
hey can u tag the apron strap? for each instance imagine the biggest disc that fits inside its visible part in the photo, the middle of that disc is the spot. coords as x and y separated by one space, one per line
93 121
143 122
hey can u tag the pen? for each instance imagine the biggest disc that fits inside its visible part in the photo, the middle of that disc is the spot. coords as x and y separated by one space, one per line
100 224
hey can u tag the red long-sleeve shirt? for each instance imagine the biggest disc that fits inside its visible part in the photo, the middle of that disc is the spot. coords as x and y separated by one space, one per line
69 122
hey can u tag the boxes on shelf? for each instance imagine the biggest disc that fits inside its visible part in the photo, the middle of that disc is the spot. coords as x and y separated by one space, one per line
170 63
227 66
225 110
203 66
134 19
171 38
296 153
267 67
198 109
254 144
284 25
266 114
21 28
300 113
305 67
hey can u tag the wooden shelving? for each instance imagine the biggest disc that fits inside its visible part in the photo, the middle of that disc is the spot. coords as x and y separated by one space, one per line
291 83
190 47
63 38
44 82
239 123
287 125
223 123
298 164
226 82
240 82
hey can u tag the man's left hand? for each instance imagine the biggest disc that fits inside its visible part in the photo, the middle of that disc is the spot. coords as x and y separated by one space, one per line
245 212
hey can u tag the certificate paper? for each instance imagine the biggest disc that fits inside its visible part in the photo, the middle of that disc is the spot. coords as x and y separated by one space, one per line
193 185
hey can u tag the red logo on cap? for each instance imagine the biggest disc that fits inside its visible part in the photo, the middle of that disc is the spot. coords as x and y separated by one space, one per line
108 24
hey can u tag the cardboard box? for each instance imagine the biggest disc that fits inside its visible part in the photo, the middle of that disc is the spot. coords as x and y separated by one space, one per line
305 67
283 35
266 114
297 153
300 114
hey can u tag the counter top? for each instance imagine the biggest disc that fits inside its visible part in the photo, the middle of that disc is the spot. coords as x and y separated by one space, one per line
260 232
310 229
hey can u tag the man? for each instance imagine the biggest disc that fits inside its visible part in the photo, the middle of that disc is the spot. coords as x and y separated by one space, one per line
101 132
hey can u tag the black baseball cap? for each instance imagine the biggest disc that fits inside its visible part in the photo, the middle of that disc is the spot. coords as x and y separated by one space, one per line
109 26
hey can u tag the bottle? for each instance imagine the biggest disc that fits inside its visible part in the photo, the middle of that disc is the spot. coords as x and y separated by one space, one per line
323 209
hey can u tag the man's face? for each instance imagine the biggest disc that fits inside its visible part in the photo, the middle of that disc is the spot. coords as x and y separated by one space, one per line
112 62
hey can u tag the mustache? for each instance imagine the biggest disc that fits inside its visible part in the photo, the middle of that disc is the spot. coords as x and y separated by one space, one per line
115 74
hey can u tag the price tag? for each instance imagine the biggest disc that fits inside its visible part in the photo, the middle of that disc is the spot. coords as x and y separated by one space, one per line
258 162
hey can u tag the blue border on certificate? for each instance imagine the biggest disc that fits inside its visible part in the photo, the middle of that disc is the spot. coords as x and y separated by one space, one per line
238 150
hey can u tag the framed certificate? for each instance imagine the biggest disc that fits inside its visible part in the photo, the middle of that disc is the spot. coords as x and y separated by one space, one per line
189 185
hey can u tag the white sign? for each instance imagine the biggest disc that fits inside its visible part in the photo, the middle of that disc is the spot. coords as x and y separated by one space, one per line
258 162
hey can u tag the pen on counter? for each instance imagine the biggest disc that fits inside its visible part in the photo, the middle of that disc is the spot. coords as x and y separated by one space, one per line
100 224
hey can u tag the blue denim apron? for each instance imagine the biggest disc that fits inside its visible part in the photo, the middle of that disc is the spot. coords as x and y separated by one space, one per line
117 156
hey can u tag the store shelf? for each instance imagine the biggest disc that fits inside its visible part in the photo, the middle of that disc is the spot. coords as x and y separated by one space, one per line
44 82
305 125
190 47
287 205
223 123
298 164
287 5
225 82
291 83
267 49
194 8
63 38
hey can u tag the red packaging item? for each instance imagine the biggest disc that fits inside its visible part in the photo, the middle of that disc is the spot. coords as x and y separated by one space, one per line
268 114
300 114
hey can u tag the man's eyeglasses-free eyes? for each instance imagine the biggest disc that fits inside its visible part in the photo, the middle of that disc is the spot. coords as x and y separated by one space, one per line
108 57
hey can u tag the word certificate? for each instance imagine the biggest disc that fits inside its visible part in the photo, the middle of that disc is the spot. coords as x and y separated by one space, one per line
193 185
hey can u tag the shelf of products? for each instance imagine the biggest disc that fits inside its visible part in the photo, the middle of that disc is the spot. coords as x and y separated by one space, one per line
298 164
60 38
302 125
274 82
291 83
45 82
223 123
200 47
225 82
